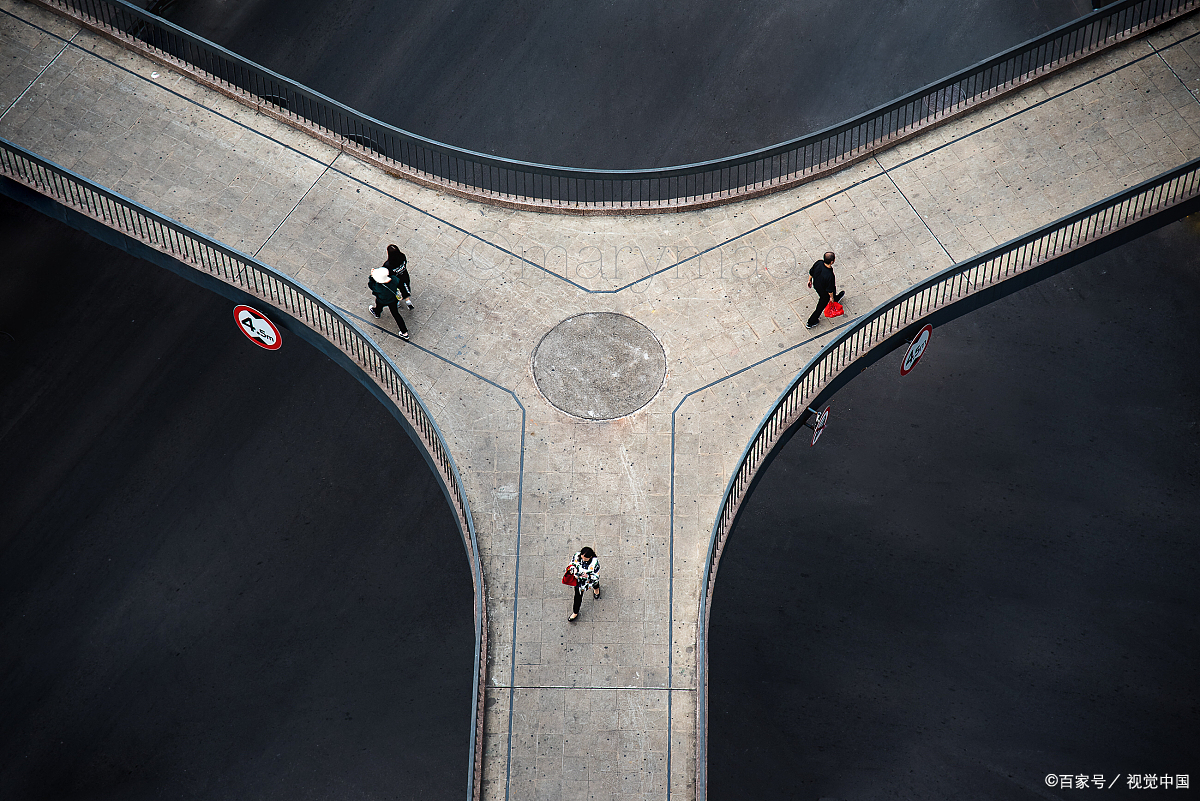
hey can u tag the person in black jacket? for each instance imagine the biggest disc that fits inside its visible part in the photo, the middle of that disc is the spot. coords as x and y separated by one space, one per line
821 278
386 288
397 265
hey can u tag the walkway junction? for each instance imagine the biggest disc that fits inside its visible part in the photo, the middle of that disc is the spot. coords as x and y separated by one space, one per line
666 310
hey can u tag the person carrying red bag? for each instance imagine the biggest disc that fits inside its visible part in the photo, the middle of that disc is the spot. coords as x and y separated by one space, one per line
821 278
583 574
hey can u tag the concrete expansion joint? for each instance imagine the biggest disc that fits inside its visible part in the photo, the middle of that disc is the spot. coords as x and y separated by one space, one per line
288 216
1195 93
67 43
925 222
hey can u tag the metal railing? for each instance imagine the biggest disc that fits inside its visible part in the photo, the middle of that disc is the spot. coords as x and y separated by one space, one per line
538 186
262 282
896 318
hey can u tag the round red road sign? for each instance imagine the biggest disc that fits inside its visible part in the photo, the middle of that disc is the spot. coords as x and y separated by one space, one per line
916 349
818 425
255 325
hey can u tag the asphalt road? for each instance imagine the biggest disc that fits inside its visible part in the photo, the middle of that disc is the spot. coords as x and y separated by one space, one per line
224 572
619 84
984 572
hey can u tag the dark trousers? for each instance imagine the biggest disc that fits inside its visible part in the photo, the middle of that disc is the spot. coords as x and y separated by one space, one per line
822 302
578 600
405 285
395 313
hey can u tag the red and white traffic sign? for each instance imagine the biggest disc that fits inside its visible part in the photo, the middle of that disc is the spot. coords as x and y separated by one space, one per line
255 325
916 349
818 425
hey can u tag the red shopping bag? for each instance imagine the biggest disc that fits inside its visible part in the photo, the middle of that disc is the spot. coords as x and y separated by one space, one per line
569 579
834 309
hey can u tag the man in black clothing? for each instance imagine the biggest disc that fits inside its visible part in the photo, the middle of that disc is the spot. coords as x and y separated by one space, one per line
820 277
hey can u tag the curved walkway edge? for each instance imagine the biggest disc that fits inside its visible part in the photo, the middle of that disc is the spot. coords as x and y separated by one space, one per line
604 708
537 187
83 205
951 293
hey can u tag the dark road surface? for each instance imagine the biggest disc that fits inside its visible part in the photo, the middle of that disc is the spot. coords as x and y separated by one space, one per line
619 84
991 573
225 573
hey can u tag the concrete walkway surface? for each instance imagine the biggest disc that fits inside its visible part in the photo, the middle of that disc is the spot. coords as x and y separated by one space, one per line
604 708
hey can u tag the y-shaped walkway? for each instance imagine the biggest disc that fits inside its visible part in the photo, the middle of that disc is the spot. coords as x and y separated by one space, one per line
604 708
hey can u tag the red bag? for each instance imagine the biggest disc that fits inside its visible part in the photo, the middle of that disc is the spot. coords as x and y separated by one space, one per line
834 309
569 579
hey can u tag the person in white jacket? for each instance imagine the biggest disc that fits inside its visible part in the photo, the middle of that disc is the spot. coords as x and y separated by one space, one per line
585 567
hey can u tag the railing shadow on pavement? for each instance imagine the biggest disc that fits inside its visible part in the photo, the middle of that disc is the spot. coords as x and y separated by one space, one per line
295 308
540 187
940 298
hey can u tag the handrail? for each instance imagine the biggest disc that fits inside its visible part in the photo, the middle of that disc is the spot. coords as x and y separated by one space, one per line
261 281
896 318
521 184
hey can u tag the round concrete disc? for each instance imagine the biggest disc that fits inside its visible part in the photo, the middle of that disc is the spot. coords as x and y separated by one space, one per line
599 365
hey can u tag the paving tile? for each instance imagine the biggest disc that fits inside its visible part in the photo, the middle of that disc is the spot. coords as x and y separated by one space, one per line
30 48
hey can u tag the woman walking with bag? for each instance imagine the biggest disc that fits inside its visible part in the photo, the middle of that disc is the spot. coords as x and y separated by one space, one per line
584 572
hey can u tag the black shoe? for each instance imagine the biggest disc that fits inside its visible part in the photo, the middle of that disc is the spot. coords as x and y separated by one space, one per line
374 313
838 297
810 325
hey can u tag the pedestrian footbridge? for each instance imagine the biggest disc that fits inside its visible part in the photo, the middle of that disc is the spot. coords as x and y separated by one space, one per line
525 286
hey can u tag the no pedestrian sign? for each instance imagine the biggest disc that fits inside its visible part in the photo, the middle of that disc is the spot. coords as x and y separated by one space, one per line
255 325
